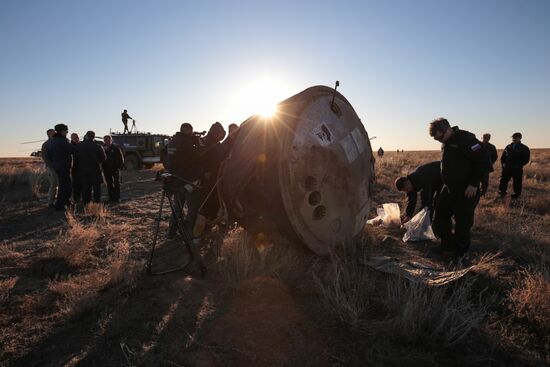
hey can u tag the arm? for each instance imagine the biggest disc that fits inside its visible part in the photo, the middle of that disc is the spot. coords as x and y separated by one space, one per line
120 158
426 197
526 156
101 156
411 203
479 159
494 154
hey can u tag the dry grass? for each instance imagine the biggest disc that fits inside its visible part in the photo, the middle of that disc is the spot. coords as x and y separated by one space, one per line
439 316
242 256
530 297
22 181
76 242
345 284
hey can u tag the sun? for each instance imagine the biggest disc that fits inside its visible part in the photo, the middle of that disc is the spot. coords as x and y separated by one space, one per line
258 97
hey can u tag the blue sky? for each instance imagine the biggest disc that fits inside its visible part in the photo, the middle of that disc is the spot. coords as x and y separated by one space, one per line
485 65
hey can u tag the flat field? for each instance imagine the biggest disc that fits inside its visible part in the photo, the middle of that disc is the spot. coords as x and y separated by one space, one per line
73 291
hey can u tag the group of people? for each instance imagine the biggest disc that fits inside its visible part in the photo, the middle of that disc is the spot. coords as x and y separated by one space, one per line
77 168
194 162
451 188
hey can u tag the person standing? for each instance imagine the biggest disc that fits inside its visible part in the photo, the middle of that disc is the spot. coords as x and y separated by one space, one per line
60 153
52 176
232 130
75 140
212 154
380 152
90 158
111 168
425 179
515 156
464 163
181 160
493 156
125 118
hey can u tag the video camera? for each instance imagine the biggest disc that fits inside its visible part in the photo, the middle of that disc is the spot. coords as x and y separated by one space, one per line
197 135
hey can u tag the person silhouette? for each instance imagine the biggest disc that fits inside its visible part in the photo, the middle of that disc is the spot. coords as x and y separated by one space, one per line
125 118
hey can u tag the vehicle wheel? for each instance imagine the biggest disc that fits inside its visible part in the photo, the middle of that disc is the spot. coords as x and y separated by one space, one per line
148 165
131 162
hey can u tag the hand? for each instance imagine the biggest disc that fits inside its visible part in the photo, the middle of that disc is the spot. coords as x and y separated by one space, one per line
470 192
405 219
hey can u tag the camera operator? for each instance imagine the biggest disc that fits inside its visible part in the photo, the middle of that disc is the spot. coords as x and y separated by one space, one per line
181 160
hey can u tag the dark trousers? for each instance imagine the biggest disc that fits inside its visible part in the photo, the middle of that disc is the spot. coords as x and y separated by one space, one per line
112 179
516 174
180 199
64 189
76 186
125 127
455 205
209 195
89 183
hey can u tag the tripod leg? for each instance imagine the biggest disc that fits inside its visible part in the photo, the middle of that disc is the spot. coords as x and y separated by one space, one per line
187 236
149 264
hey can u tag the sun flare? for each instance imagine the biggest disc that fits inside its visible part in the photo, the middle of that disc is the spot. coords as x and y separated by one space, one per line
259 98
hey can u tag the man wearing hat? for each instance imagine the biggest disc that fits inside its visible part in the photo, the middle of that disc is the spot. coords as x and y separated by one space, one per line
60 153
515 156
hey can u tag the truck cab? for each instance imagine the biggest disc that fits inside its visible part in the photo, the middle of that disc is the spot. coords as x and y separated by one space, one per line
140 149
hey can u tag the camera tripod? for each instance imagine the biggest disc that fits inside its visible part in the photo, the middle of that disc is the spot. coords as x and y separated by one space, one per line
184 230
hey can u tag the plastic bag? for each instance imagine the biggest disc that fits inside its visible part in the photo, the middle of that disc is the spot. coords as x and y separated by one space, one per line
419 228
391 217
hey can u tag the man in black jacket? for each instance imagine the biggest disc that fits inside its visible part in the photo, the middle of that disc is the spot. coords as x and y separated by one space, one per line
493 156
90 156
514 157
211 156
60 153
182 161
463 165
52 176
75 140
111 168
425 179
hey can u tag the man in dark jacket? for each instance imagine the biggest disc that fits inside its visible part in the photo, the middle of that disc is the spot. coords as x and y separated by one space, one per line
493 156
125 117
182 161
60 153
90 156
111 168
463 165
52 176
232 130
515 156
211 156
75 140
425 179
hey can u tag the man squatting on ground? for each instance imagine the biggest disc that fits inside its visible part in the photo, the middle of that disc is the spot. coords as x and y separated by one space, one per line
425 179
112 167
464 163
52 176
515 156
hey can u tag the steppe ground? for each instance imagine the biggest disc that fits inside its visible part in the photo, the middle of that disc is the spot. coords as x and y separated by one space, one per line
73 291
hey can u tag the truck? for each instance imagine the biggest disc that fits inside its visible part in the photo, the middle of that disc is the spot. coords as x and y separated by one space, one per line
140 149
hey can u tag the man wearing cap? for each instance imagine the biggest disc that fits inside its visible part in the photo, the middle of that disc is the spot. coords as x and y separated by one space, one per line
464 163
52 176
60 153
493 156
515 156
90 158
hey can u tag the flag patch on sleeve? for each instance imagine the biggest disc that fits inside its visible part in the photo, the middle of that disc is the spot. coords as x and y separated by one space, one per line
475 147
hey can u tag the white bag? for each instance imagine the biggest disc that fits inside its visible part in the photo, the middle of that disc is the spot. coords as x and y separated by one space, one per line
419 228
391 217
